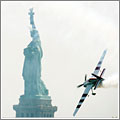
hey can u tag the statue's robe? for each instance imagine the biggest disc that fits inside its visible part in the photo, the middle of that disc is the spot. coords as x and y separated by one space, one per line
32 70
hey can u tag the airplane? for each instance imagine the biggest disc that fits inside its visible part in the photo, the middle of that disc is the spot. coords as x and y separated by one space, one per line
92 83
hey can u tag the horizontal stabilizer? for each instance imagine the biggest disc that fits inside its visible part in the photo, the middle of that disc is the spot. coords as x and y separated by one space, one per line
102 72
98 77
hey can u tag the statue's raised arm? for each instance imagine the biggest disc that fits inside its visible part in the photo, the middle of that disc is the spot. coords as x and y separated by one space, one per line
34 33
31 13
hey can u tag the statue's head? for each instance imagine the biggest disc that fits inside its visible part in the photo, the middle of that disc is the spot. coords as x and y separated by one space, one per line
34 34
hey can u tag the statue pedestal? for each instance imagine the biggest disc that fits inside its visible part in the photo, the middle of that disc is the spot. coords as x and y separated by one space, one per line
35 106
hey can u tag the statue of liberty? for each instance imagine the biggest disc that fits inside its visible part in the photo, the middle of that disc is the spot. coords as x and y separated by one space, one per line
34 86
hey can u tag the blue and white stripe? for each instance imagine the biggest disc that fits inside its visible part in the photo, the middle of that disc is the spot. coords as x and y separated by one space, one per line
82 98
97 69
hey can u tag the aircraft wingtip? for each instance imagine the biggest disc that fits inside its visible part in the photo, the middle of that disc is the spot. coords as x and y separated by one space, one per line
105 49
74 113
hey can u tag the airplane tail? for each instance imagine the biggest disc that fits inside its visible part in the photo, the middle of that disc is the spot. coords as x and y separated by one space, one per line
102 72
99 77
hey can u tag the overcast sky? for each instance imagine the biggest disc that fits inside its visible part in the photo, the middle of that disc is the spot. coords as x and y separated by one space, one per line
73 35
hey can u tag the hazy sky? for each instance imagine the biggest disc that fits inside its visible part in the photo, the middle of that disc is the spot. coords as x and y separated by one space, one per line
73 36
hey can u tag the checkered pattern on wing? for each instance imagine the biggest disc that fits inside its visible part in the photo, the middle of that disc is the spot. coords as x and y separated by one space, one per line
82 98
97 69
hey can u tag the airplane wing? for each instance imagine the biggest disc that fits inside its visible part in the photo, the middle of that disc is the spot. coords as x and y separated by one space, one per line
82 98
97 69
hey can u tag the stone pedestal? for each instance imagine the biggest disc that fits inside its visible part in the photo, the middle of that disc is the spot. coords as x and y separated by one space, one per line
34 106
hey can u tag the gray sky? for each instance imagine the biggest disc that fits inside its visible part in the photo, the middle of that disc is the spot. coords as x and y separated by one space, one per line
73 35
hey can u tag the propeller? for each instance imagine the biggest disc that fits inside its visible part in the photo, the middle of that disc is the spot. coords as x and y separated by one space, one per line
85 77
80 85
83 83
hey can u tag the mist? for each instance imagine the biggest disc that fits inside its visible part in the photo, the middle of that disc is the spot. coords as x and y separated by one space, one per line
111 81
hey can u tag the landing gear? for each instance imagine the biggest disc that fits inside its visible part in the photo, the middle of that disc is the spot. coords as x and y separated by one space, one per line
93 92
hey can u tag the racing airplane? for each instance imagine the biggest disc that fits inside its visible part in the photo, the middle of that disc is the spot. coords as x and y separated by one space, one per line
92 83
